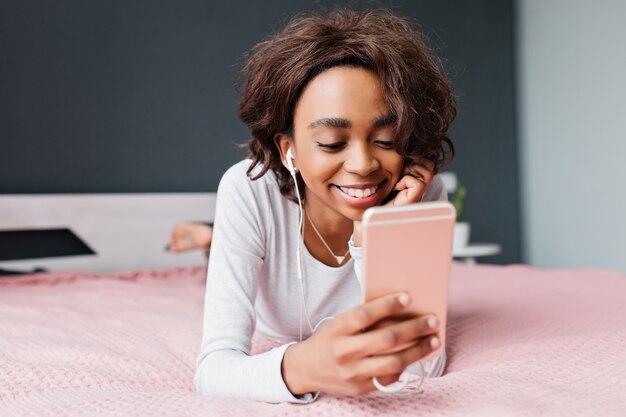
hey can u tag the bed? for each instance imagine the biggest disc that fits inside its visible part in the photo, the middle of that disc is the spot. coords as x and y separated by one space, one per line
521 342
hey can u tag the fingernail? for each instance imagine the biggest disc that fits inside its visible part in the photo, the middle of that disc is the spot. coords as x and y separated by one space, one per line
404 299
434 342
432 322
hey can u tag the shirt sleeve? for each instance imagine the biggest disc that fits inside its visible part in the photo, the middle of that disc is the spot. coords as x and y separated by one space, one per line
435 192
224 366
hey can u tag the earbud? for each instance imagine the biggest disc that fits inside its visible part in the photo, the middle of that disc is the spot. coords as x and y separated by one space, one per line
289 161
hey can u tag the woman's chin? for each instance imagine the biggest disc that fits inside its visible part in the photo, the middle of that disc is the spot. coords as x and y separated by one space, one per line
355 217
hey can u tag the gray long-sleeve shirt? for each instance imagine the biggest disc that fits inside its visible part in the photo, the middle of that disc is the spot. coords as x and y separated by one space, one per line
252 285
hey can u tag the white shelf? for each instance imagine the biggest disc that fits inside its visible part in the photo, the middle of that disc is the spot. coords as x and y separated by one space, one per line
470 252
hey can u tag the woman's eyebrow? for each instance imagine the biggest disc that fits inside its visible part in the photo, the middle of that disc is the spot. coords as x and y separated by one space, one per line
384 120
341 123
336 122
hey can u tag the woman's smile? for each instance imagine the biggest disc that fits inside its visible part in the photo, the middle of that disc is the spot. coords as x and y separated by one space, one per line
360 195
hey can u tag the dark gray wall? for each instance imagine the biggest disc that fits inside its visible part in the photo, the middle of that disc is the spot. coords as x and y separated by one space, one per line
137 96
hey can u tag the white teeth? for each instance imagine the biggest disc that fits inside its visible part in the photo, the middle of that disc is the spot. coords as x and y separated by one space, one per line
359 192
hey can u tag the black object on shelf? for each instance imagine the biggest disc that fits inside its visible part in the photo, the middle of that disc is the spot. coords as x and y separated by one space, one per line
5 272
41 243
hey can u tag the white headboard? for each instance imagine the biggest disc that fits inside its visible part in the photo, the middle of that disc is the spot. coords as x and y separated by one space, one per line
128 231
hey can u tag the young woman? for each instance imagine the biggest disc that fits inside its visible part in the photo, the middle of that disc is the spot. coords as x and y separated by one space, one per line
364 109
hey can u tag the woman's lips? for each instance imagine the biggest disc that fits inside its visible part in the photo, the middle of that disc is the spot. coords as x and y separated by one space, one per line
354 200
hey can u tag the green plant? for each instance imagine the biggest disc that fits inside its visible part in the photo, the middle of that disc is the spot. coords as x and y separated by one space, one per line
458 201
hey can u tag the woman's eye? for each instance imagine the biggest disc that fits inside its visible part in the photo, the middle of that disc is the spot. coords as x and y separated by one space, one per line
331 146
385 144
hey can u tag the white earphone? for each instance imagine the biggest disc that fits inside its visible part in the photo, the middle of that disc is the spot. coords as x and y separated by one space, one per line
303 309
289 161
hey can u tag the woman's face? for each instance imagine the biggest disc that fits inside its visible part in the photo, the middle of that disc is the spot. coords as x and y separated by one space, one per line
343 142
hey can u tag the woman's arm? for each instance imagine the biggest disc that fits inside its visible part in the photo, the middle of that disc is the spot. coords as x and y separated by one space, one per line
225 366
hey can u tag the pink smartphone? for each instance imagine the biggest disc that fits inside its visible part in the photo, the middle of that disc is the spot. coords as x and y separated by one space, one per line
409 248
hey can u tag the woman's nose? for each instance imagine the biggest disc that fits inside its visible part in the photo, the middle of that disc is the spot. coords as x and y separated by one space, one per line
361 161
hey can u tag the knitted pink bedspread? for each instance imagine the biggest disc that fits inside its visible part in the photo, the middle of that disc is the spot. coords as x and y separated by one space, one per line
521 342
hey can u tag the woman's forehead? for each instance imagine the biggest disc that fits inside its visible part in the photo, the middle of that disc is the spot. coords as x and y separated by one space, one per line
341 97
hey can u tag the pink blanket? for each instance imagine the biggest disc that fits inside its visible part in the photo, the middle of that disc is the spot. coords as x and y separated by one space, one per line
521 342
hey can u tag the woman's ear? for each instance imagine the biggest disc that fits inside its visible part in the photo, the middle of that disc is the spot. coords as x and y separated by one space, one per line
284 143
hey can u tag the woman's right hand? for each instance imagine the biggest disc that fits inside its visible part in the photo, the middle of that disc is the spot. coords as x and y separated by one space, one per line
343 356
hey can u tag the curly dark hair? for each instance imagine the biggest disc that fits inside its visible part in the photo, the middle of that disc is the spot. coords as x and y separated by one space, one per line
412 79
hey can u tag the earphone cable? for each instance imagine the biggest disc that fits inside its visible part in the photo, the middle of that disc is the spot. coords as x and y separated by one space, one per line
299 259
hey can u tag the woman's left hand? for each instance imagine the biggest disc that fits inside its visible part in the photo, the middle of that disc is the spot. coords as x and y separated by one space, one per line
413 183
411 188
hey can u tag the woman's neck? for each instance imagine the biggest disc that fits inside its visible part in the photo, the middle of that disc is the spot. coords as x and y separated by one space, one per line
335 228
